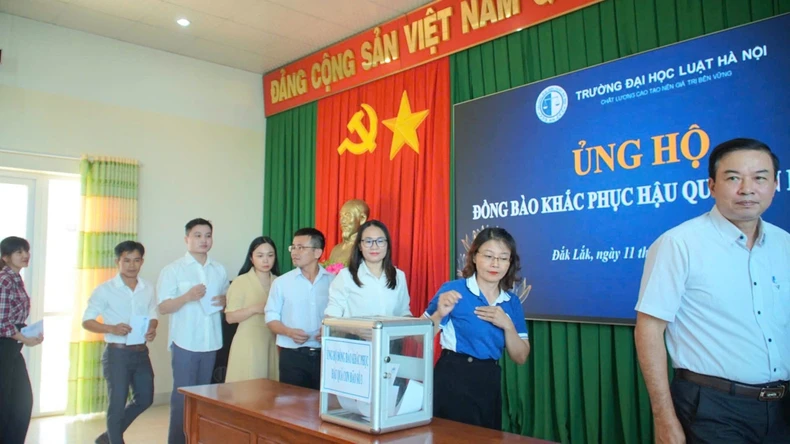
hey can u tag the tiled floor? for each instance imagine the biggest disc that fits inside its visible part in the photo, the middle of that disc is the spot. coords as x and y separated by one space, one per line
150 427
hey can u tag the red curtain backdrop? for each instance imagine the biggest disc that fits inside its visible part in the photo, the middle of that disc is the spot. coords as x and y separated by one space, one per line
410 193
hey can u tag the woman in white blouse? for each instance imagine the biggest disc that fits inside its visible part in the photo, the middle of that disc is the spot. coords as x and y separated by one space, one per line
371 285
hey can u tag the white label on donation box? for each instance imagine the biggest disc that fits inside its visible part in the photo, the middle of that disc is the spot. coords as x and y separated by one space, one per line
346 368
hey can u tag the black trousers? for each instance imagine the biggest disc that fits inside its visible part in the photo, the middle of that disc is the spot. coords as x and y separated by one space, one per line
16 395
468 390
124 368
301 366
712 416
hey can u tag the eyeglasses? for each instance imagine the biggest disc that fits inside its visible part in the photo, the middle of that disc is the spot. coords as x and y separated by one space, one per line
380 242
490 259
298 248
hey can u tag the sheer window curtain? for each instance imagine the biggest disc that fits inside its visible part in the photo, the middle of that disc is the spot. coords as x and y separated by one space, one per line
108 215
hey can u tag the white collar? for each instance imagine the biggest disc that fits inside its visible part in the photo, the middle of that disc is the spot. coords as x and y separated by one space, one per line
118 282
191 259
471 284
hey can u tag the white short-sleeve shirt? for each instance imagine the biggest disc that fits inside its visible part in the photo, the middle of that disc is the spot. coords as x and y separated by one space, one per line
299 303
116 303
190 327
727 307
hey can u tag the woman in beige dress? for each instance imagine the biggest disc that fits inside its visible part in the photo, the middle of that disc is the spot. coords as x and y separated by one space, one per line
253 353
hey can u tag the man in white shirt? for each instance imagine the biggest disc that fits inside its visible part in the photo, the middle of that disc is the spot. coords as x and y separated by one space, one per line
719 285
192 291
125 303
295 308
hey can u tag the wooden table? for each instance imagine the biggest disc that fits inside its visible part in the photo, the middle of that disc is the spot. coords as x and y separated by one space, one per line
262 411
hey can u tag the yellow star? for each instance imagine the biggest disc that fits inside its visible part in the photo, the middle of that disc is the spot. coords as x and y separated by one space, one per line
404 127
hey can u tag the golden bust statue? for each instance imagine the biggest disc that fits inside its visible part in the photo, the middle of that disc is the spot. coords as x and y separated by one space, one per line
353 213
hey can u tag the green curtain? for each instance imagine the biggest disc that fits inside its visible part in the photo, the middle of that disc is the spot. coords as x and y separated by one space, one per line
582 382
87 388
290 189
108 216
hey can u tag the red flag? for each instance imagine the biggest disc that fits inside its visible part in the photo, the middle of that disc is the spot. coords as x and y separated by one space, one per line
388 143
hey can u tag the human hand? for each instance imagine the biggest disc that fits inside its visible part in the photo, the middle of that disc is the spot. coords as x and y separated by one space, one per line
447 301
669 431
218 301
496 316
365 334
298 335
196 292
120 329
33 341
150 335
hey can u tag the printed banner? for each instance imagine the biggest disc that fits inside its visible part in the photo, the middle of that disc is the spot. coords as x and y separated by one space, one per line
346 368
586 170
436 30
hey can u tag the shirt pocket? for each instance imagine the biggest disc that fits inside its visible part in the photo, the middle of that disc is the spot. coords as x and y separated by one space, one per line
780 290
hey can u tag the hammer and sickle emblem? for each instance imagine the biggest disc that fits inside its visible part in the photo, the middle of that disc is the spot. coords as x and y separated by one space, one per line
367 135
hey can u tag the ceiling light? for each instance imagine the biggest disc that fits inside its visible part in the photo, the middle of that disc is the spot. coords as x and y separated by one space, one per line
183 22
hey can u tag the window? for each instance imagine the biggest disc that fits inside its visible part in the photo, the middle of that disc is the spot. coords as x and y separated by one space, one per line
44 209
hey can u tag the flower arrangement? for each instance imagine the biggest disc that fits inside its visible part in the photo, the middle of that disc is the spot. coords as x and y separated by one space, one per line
334 268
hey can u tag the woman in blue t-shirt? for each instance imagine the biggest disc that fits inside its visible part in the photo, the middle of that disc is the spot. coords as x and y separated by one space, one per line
478 318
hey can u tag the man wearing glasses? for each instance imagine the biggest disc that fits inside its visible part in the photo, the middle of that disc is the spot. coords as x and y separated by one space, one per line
295 308
714 296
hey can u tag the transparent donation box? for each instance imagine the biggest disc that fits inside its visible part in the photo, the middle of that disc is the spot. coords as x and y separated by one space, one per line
377 373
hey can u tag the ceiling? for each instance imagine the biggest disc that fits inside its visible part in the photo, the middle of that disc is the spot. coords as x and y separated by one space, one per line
253 35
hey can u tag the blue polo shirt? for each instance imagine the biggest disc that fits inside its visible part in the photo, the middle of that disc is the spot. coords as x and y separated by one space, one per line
463 332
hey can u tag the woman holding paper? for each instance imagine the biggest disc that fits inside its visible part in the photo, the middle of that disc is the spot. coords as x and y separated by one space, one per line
16 395
479 318
371 285
253 353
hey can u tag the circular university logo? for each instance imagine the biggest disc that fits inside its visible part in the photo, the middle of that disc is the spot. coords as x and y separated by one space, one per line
552 104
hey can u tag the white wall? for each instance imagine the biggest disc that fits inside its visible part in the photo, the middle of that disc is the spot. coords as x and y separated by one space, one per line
197 129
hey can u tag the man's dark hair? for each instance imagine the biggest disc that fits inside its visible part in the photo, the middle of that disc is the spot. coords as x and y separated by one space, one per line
739 144
195 222
128 247
316 237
